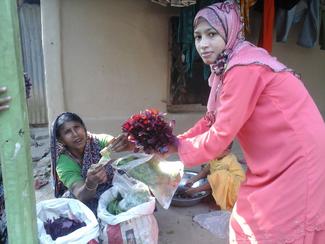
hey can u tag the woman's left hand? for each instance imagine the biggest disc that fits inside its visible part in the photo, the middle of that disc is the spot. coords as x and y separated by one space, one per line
120 144
96 176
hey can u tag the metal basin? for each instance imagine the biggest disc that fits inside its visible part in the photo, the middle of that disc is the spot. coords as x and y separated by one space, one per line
179 201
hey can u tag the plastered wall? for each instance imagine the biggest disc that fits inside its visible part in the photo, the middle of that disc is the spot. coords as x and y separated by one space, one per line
114 59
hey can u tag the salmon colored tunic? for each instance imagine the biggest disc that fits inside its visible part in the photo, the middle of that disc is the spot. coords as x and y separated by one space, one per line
282 135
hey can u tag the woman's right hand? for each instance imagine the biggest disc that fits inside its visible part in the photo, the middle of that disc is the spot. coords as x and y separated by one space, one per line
4 102
95 176
171 149
190 182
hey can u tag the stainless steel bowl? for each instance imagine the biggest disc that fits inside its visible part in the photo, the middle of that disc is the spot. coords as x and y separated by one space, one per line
195 199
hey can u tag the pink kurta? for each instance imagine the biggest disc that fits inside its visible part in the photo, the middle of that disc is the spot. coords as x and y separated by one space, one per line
282 135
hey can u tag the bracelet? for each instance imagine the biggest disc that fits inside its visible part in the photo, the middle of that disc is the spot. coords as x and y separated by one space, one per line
90 189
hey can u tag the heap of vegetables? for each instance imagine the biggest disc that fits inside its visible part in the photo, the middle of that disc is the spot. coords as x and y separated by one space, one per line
62 226
113 207
132 198
150 131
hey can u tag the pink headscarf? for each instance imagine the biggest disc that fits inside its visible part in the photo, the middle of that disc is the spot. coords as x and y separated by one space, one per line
225 18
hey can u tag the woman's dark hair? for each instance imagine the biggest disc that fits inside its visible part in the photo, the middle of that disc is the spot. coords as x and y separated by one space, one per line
63 118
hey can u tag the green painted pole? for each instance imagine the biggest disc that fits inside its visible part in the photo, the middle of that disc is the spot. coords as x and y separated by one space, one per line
15 153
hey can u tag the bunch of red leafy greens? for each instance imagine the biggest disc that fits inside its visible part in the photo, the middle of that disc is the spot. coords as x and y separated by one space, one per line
150 131
62 226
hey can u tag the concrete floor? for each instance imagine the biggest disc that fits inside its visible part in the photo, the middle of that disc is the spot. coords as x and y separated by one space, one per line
176 226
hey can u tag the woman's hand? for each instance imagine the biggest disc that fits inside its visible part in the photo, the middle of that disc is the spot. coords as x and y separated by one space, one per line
4 102
120 144
190 182
205 187
95 176
171 149
191 191
85 191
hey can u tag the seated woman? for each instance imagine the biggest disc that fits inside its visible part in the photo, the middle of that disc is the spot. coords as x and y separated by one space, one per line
74 150
224 175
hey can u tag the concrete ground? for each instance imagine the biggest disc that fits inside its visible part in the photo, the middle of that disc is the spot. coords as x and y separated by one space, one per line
176 225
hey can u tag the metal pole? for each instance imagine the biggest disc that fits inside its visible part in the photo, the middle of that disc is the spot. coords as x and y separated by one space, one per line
15 153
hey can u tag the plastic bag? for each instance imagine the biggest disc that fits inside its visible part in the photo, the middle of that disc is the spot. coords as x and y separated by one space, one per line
161 176
70 208
133 192
217 222
136 197
131 160
136 225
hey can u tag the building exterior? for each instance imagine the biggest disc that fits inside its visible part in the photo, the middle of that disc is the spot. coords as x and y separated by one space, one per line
106 60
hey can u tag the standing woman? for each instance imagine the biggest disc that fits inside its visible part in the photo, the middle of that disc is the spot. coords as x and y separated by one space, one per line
74 150
265 105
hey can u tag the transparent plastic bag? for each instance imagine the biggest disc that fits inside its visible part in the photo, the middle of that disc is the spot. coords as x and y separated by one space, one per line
131 160
133 192
161 176
217 222
137 224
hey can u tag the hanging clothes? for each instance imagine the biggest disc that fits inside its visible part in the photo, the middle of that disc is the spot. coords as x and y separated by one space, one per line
286 4
161 2
306 11
182 3
322 25
245 5
185 36
175 3
266 34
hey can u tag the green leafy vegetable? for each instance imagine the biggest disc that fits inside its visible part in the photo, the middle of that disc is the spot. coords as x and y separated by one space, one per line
113 206
135 197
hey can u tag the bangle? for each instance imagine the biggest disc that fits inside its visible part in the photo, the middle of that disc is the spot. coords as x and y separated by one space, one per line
89 188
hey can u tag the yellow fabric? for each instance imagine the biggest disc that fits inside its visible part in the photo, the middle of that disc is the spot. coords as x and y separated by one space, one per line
225 177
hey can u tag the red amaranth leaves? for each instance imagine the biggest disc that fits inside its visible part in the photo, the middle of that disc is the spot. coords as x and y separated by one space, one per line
150 131
62 226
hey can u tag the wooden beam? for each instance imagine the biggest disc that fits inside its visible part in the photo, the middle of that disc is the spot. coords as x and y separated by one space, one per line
15 153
